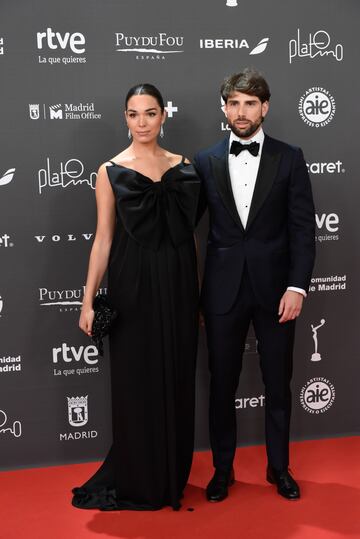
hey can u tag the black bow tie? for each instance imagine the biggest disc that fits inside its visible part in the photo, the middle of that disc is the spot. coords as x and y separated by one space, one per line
237 147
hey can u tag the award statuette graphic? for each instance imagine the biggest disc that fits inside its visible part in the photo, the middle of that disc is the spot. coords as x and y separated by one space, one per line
316 356
231 3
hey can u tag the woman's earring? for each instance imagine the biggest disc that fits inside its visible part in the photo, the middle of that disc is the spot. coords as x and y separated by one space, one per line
129 134
161 131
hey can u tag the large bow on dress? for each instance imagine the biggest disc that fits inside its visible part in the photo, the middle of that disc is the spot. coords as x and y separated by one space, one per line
149 209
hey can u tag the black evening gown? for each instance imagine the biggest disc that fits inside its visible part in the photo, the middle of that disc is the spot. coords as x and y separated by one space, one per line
152 282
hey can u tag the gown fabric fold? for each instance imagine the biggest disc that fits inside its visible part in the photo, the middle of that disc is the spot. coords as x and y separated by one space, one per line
152 283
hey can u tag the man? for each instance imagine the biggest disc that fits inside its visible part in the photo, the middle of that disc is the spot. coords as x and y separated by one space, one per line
260 256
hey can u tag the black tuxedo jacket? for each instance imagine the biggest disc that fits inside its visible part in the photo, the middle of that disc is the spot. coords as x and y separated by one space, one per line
278 243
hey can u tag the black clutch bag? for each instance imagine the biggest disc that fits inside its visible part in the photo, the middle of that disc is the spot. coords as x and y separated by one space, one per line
105 315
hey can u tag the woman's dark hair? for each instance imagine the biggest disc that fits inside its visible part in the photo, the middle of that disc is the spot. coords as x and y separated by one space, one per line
250 81
145 89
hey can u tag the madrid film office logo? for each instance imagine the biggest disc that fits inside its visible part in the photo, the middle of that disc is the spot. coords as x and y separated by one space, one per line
316 45
317 107
64 111
51 42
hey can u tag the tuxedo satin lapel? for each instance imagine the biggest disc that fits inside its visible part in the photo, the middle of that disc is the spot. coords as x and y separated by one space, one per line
268 167
220 170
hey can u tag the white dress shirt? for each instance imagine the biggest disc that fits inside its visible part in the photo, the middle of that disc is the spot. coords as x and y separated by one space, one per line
243 170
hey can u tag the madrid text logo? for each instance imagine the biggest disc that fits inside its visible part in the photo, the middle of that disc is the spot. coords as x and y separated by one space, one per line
7 177
317 107
13 429
68 173
315 45
156 47
328 283
316 356
234 43
78 411
1 46
10 364
78 416
67 357
250 402
55 41
327 222
317 395
5 241
331 167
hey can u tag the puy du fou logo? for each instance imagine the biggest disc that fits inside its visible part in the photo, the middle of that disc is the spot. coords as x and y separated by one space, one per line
316 45
55 40
7 177
78 411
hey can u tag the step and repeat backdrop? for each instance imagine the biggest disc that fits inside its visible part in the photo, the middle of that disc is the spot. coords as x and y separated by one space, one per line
65 70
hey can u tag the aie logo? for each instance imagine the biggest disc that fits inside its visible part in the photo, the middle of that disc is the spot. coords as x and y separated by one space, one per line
54 40
78 411
317 107
7 176
317 395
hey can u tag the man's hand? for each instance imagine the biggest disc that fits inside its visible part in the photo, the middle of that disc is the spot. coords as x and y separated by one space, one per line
290 306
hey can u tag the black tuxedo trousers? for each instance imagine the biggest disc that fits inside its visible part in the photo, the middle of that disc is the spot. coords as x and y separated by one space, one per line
226 336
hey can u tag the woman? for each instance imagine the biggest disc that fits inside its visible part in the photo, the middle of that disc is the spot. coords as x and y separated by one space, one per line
146 202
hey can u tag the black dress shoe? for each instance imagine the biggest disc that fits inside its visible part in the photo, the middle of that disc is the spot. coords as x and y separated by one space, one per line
217 489
286 485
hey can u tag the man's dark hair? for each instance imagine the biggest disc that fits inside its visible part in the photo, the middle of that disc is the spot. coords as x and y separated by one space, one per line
249 81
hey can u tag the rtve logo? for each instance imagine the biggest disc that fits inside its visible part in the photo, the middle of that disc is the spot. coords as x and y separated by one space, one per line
69 353
330 221
55 40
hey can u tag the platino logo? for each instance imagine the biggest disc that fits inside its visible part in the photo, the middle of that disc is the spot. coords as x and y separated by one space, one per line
331 167
234 43
14 429
149 47
54 40
317 107
330 283
78 411
317 45
317 395
7 176
69 173
316 356
34 111
5 241
250 402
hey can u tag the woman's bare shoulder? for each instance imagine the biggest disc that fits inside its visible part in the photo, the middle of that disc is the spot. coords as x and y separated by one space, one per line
176 158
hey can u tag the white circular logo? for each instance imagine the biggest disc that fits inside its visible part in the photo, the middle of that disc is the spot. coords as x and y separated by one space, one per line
317 107
317 395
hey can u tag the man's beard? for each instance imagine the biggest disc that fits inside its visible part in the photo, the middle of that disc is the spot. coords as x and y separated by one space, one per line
248 131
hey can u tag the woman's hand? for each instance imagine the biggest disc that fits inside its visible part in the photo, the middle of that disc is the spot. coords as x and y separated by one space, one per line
86 319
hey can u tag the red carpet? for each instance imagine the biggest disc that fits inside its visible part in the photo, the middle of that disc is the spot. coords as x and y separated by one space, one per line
35 504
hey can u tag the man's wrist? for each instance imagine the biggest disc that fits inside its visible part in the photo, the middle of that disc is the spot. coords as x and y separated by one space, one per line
298 290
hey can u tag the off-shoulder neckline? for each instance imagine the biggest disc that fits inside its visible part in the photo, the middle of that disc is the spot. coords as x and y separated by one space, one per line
182 162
